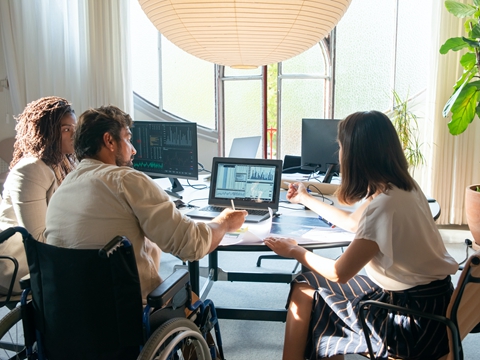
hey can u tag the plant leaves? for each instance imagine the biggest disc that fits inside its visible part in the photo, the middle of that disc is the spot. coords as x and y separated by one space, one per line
471 42
468 60
463 110
476 2
475 33
464 80
454 44
460 10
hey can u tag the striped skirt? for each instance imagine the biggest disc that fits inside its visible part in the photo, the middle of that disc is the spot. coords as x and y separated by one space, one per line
335 328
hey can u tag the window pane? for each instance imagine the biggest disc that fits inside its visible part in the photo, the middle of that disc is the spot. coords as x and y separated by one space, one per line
309 62
413 45
243 110
242 72
144 42
188 85
364 57
300 99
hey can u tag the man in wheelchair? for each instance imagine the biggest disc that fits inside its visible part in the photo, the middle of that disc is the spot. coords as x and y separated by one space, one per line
105 197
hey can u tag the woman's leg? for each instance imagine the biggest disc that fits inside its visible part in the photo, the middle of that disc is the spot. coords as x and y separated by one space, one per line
298 321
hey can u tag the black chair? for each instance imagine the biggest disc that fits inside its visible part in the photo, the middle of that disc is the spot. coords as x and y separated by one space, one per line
462 315
86 304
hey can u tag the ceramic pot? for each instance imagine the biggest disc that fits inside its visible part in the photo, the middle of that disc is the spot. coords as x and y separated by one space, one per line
472 210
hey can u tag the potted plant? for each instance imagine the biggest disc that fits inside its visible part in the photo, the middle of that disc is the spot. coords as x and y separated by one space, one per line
406 124
464 102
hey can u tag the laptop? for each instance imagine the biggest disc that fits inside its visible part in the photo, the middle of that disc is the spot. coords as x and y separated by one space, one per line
253 185
245 147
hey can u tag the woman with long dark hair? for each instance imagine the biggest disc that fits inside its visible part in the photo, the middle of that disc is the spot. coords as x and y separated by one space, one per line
396 241
43 155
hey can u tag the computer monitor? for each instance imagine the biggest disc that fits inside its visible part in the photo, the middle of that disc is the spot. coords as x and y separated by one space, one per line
166 149
320 147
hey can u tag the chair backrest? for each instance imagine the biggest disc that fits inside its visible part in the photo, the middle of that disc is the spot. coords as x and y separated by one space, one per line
464 306
84 304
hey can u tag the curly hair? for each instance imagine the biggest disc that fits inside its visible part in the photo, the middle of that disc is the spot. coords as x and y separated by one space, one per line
39 134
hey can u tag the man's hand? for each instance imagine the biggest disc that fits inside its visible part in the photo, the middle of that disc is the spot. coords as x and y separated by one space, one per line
232 220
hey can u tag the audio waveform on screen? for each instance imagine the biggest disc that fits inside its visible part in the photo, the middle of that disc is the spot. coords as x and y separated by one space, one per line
147 165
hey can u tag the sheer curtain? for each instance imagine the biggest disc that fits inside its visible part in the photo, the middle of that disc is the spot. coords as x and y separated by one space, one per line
77 49
454 160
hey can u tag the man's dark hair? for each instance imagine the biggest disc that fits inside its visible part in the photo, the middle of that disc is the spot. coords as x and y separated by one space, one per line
372 158
93 124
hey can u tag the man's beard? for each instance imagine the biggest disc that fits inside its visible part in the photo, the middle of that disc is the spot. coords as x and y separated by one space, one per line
121 162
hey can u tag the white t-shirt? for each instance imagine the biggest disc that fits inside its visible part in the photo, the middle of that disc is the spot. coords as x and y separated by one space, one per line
411 249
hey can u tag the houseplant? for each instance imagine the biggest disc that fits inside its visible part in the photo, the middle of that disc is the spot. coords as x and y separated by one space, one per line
405 122
464 102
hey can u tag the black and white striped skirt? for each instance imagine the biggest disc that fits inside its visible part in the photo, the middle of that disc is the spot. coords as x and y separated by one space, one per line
335 328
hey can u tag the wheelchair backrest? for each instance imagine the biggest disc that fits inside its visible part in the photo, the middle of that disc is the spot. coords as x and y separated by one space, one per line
84 303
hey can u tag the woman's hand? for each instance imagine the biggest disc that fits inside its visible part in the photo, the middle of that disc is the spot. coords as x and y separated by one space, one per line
281 246
295 192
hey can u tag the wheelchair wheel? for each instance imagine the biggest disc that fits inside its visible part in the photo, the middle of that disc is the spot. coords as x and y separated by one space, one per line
176 339
11 336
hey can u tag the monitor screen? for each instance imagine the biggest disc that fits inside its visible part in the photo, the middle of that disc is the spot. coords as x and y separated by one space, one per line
319 145
166 149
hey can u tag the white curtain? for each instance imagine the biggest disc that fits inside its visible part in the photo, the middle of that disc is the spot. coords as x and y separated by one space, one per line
76 49
454 160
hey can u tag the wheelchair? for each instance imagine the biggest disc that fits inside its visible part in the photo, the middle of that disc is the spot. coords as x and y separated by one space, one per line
87 304
11 338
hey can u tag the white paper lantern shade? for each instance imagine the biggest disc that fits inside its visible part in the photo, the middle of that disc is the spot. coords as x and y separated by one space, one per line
244 33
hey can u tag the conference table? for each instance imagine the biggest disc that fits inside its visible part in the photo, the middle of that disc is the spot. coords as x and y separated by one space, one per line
292 220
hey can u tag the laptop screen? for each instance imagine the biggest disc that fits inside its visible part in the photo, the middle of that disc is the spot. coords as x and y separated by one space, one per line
251 183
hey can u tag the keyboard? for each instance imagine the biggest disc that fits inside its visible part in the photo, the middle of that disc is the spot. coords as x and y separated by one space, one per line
212 208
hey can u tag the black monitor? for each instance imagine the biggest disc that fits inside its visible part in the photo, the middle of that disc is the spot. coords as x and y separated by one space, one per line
166 149
320 147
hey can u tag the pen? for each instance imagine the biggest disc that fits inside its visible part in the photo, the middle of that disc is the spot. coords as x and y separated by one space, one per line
326 222
288 183
233 204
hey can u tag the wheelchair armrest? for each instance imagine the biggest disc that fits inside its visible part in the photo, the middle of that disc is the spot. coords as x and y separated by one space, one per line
25 282
168 288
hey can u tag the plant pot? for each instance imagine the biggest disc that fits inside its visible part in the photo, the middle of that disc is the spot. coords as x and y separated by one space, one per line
472 210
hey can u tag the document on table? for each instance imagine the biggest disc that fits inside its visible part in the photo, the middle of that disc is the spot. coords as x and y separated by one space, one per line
305 230
253 233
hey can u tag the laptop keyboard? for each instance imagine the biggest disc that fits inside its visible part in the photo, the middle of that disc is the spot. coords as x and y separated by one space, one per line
220 209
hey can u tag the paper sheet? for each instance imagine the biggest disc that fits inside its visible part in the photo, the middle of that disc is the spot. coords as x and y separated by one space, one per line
250 233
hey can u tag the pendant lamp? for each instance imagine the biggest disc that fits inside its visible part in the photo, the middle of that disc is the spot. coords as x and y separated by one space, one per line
244 33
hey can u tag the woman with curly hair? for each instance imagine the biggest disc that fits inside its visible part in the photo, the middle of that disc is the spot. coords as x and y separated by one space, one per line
43 155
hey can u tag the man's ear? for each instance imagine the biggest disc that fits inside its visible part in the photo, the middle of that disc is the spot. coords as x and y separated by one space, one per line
108 141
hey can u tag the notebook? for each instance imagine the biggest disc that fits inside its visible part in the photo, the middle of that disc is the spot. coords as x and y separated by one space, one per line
253 185
245 147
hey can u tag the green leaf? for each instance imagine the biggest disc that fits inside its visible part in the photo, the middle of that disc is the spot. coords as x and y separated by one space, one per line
471 42
468 60
463 110
464 80
476 3
475 31
454 44
460 10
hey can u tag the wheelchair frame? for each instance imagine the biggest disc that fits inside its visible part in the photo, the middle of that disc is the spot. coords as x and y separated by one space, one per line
169 336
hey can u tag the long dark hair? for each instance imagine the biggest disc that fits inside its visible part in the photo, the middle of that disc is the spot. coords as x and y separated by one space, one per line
93 124
39 133
371 157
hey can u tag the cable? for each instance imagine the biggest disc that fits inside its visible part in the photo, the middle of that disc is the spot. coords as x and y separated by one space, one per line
468 244
197 186
320 194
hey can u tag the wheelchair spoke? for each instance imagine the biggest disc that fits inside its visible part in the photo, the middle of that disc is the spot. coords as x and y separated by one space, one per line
11 336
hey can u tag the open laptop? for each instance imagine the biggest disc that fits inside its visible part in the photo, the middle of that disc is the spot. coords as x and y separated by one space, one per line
253 185
245 147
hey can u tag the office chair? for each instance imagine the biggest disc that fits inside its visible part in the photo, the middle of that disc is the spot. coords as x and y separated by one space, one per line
87 304
462 317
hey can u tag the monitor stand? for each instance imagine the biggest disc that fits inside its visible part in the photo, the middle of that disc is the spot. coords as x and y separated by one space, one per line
329 173
176 186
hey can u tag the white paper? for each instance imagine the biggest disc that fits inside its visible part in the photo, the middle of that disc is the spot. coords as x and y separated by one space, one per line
325 235
249 233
